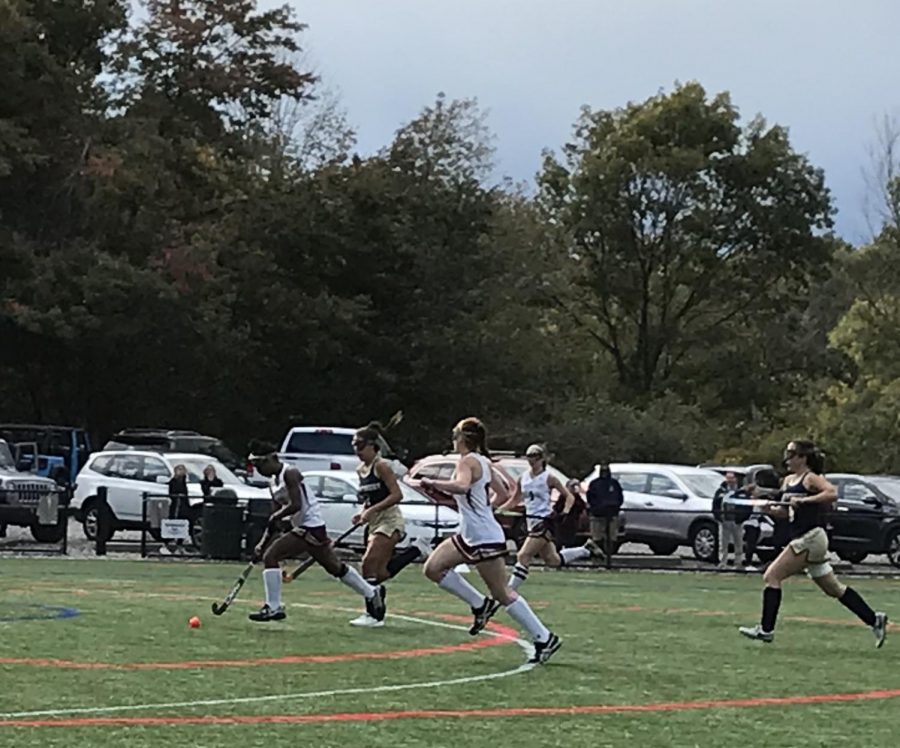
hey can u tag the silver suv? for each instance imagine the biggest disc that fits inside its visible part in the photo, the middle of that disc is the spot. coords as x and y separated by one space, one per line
667 506
20 494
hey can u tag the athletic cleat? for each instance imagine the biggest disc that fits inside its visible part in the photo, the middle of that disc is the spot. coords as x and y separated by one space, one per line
595 550
366 621
543 651
483 615
265 613
375 605
880 629
756 632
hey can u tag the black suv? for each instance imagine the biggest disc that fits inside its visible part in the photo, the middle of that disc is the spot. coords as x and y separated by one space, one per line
864 520
866 517
175 440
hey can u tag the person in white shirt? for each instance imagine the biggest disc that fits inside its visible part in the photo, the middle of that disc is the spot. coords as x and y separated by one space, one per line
534 488
481 542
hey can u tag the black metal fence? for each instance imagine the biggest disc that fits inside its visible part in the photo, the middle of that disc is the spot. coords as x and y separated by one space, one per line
221 527
861 540
39 508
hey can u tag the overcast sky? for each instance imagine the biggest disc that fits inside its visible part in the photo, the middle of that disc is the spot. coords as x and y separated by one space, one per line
827 69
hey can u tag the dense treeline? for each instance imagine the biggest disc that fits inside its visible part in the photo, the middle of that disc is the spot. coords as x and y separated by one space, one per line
187 238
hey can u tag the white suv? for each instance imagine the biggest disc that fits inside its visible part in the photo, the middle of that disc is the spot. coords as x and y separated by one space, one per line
667 506
128 474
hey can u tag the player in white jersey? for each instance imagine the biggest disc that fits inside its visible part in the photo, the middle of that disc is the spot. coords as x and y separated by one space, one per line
481 542
535 487
307 534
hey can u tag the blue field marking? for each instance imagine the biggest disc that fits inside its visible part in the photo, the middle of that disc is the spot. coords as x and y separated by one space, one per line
36 612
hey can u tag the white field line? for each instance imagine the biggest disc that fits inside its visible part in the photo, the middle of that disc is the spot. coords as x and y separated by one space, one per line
523 668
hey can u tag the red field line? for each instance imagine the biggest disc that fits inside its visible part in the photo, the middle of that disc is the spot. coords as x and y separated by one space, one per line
294 719
506 635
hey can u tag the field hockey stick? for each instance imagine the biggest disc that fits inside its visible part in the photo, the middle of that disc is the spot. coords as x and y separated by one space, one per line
394 420
513 513
288 577
219 608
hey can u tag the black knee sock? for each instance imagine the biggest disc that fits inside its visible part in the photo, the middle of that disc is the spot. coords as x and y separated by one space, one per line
852 601
771 603
401 560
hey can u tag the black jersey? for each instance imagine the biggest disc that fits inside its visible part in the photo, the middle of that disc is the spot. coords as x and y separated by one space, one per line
372 489
806 516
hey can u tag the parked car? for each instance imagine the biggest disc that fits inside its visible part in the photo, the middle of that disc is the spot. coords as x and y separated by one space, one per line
328 448
56 452
864 521
128 474
667 506
746 473
442 466
509 468
20 493
175 440
866 517
337 490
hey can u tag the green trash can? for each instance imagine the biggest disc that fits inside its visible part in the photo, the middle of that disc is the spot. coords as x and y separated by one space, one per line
223 526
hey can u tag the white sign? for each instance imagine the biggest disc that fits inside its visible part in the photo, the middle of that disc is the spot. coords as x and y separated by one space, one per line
175 529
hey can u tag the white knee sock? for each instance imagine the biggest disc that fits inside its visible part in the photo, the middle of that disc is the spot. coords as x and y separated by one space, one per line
518 576
456 585
272 582
356 583
568 555
522 614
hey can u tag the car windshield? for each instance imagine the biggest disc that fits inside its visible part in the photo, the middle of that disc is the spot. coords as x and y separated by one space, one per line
6 458
703 485
888 486
195 468
320 443
411 495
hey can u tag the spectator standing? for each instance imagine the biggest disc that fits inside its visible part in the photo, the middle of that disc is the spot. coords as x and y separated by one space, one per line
210 481
727 515
179 506
604 499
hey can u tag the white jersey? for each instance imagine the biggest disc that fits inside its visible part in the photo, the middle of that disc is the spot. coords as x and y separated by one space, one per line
536 495
309 514
477 525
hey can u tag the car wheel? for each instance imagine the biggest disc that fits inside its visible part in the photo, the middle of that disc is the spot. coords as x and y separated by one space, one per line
893 547
196 527
705 542
90 521
853 557
663 547
48 533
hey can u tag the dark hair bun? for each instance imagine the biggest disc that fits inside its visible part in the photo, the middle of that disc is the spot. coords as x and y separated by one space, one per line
261 447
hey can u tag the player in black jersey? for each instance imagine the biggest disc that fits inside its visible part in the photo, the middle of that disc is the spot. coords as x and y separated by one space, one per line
380 495
810 496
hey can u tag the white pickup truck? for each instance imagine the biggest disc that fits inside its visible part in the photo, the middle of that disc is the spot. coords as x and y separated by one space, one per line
327 448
